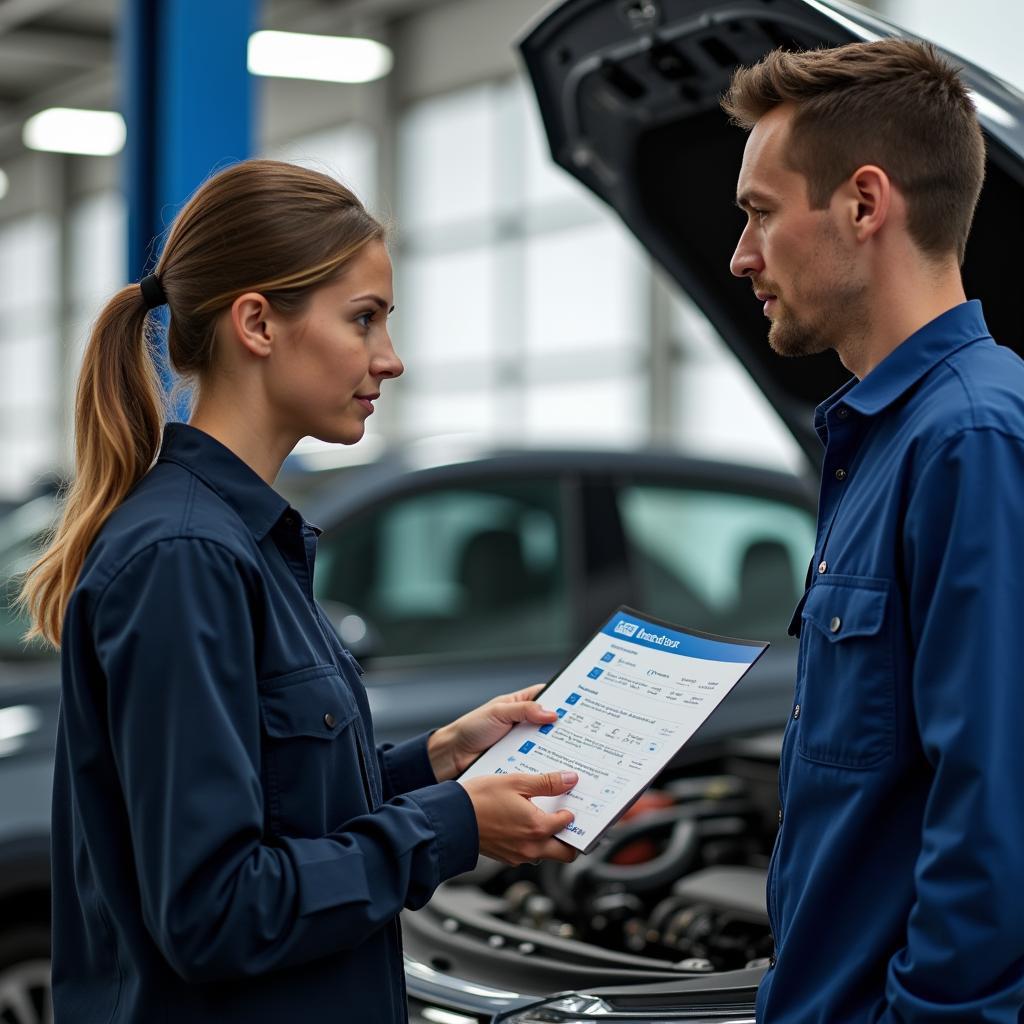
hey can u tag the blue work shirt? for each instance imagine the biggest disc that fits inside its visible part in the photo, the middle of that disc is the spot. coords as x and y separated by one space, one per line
228 843
895 886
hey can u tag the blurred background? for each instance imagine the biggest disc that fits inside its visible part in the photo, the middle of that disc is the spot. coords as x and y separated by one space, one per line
447 146
571 432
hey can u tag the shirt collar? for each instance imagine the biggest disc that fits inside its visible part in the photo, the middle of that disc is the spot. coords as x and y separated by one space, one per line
909 362
255 501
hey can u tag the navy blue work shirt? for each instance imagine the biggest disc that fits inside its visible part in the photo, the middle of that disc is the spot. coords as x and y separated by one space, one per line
895 888
228 843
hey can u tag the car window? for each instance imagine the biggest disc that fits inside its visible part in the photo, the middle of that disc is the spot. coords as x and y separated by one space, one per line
462 571
23 533
724 563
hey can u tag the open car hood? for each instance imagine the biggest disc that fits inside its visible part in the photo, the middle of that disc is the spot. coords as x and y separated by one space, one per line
628 91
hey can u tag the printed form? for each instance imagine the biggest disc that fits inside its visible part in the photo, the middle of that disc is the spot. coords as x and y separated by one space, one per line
625 704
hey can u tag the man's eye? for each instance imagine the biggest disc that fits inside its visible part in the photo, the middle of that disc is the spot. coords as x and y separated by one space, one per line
759 214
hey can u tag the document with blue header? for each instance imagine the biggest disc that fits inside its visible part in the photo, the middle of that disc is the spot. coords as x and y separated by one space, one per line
626 703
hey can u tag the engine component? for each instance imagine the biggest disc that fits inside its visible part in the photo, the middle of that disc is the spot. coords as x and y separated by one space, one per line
680 878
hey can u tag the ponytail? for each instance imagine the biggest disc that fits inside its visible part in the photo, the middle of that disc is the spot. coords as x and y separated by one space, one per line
259 225
119 415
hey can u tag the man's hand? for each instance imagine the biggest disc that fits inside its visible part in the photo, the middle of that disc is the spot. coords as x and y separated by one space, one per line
453 748
512 828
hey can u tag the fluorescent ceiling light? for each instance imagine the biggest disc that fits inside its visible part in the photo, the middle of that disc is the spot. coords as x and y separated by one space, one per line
4 183
320 58
63 130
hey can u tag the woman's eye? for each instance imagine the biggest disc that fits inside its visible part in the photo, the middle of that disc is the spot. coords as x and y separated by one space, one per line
367 317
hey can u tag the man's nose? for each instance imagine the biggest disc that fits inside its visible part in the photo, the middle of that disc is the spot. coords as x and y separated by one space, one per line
746 260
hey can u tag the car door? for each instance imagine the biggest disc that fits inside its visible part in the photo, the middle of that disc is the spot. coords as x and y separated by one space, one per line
451 592
726 558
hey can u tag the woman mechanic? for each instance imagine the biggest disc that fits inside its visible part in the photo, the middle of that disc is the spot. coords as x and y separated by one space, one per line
228 842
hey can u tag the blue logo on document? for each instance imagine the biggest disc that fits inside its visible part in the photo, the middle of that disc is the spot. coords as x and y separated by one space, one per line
572 698
546 728
626 628
608 657
560 712
595 672
527 747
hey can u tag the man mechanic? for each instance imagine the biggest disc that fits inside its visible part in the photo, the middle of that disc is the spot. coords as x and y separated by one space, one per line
895 889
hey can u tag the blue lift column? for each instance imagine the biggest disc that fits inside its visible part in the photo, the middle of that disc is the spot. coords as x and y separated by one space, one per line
188 102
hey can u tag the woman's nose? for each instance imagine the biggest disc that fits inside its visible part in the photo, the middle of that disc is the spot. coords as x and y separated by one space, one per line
387 363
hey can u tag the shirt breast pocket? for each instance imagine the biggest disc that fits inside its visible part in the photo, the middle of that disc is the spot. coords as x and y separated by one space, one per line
846 702
313 768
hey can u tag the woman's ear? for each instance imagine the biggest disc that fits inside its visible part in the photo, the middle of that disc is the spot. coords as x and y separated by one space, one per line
250 318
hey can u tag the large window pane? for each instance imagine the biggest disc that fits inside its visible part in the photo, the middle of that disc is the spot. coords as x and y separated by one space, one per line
28 372
546 184
447 307
584 290
609 412
719 411
28 263
98 267
28 350
98 252
447 158
347 152
450 407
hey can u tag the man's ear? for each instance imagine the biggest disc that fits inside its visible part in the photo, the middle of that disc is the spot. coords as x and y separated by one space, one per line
251 324
869 194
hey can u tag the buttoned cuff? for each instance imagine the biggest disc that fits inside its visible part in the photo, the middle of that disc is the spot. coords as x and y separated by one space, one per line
450 812
406 765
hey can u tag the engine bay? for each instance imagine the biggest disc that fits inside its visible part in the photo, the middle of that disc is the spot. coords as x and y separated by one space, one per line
677 886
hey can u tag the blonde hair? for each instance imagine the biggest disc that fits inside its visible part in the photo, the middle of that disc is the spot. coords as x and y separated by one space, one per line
260 225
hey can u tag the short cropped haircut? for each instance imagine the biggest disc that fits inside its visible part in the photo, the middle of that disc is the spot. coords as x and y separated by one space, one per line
894 103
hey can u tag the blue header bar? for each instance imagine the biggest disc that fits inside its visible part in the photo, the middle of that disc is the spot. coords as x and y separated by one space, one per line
644 633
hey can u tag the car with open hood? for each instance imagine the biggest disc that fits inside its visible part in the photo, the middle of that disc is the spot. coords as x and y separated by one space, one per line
455 576
666 920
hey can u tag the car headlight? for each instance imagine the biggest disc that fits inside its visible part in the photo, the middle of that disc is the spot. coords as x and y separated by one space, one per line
586 1009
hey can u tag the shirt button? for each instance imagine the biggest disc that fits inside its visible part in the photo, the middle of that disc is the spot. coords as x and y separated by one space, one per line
822 568
329 720
835 624
796 711
771 960
840 474
780 815
842 412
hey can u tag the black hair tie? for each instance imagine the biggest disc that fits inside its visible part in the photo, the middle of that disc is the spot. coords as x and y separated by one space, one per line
152 292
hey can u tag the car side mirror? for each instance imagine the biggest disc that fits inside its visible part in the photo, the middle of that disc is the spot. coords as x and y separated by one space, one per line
357 633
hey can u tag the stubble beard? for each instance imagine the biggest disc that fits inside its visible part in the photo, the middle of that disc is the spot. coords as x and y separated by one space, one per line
840 325
839 297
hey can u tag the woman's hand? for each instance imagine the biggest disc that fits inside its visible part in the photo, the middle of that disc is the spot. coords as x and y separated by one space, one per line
454 747
512 828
